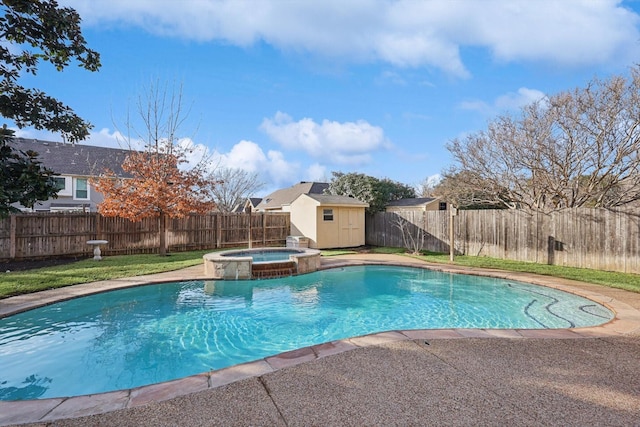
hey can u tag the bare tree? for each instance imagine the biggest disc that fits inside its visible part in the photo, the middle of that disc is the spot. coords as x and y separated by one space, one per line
230 187
465 191
573 149
163 182
412 235
426 188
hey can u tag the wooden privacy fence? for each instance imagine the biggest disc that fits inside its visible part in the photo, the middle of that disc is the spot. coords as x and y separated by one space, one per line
40 235
590 238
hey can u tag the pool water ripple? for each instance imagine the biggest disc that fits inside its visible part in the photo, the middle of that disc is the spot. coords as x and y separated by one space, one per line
143 335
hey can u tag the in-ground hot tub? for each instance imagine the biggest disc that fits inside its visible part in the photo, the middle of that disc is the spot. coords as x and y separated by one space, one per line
242 264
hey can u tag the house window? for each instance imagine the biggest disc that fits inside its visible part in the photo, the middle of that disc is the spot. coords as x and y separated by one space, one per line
442 206
63 184
59 183
327 214
81 189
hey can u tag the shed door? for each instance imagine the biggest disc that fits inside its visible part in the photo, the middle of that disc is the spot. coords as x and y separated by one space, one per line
351 228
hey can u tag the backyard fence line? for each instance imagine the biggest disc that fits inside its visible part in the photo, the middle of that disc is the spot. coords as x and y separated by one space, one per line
42 235
600 239
590 238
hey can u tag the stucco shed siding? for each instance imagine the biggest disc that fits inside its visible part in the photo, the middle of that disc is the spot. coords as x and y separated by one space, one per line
303 214
346 229
328 231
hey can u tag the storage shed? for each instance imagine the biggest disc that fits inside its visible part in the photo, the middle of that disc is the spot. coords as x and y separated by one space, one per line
328 221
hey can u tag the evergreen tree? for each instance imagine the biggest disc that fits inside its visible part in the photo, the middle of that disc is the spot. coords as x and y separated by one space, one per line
53 33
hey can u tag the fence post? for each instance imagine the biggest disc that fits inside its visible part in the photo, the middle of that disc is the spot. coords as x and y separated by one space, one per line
12 237
250 231
452 239
264 231
98 223
424 228
218 230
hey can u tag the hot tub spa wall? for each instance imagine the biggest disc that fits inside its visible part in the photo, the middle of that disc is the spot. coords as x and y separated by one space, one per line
231 269
218 266
307 264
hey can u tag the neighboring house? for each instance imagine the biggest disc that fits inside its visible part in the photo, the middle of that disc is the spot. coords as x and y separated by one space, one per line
418 204
76 164
280 200
249 205
328 221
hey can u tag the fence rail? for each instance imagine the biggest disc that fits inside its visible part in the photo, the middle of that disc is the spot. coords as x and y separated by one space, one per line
41 235
589 238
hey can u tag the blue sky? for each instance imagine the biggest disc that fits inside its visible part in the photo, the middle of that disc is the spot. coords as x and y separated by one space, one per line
296 89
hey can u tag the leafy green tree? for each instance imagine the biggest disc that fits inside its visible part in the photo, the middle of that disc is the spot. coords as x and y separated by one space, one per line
377 192
387 190
24 179
34 31
54 33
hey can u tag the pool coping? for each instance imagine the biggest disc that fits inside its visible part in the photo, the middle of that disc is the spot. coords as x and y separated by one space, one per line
625 322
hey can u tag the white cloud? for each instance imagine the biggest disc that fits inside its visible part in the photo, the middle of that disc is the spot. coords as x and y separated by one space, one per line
344 143
404 33
576 32
510 101
279 169
426 185
245 155
115 139
515 100
317 172
30 133
195 154
272 167
433 180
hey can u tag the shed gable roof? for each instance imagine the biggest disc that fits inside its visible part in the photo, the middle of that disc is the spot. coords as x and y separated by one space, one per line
333 200
285 196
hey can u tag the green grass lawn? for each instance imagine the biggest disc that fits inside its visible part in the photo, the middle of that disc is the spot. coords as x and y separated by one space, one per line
113 267
88 270
626 281
335 252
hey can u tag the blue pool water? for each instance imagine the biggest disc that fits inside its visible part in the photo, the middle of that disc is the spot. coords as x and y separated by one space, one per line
149 334
264 255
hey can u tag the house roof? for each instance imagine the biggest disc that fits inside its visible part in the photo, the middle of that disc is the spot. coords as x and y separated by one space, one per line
411 202
333 200
75 159
255 201
285 196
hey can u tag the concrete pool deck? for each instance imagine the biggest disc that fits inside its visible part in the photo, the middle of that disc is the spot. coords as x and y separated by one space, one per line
429 377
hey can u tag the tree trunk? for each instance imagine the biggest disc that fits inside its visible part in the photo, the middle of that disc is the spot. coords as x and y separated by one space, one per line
163 234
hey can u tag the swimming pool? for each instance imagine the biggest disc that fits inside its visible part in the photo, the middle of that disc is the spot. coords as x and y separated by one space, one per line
131 337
